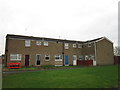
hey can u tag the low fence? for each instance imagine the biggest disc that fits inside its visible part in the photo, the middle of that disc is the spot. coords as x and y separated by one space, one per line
85 62
116 59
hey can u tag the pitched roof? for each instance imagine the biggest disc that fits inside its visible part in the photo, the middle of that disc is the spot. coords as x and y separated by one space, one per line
52 39
94 39
40 38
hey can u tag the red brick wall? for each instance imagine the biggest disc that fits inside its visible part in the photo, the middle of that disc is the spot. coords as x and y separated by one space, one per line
85 62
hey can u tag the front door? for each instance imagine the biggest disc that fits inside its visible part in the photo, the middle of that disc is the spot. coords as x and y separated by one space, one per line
27 57
74 60
94 63
37 59
66 60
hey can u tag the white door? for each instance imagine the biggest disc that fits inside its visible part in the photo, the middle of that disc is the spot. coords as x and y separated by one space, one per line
93 58
74 60
94 63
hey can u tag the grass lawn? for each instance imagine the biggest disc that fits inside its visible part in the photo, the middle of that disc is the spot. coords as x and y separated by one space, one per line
46 67
86 77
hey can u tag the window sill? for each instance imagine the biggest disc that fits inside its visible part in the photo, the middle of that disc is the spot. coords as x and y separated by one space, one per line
47 60
89 46
15 60
58 60
27 46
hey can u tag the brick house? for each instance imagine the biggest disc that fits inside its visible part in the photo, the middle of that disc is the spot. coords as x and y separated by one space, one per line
38 51
2 59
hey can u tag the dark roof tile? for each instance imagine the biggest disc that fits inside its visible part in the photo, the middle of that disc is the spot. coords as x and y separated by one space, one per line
48 39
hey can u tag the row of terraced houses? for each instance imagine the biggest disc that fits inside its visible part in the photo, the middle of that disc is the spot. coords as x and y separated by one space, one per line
38 51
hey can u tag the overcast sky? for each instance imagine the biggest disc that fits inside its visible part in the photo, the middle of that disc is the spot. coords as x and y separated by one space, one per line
65 19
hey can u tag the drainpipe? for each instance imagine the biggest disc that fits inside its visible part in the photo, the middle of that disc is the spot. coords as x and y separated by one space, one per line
95 52
63 52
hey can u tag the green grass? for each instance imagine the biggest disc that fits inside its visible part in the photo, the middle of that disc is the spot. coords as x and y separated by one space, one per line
38 68
86 77
20 69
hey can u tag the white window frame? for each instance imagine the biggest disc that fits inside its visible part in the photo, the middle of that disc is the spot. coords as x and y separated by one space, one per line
66 45
79 45
74 45
80 57
17 57
89 44
38 43
92 57
89 57
74 57
27 43
45 43
59 57
86 57
47 56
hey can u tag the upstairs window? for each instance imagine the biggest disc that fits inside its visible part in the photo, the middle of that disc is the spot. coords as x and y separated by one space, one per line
45 43
38 43
79 45
47 57
58 57
74 45
27 43
15 57
66 45
89 44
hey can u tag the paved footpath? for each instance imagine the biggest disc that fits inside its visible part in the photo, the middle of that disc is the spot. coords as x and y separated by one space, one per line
10 72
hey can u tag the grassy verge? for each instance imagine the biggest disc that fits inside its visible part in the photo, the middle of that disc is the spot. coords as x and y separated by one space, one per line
39 68
87 77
